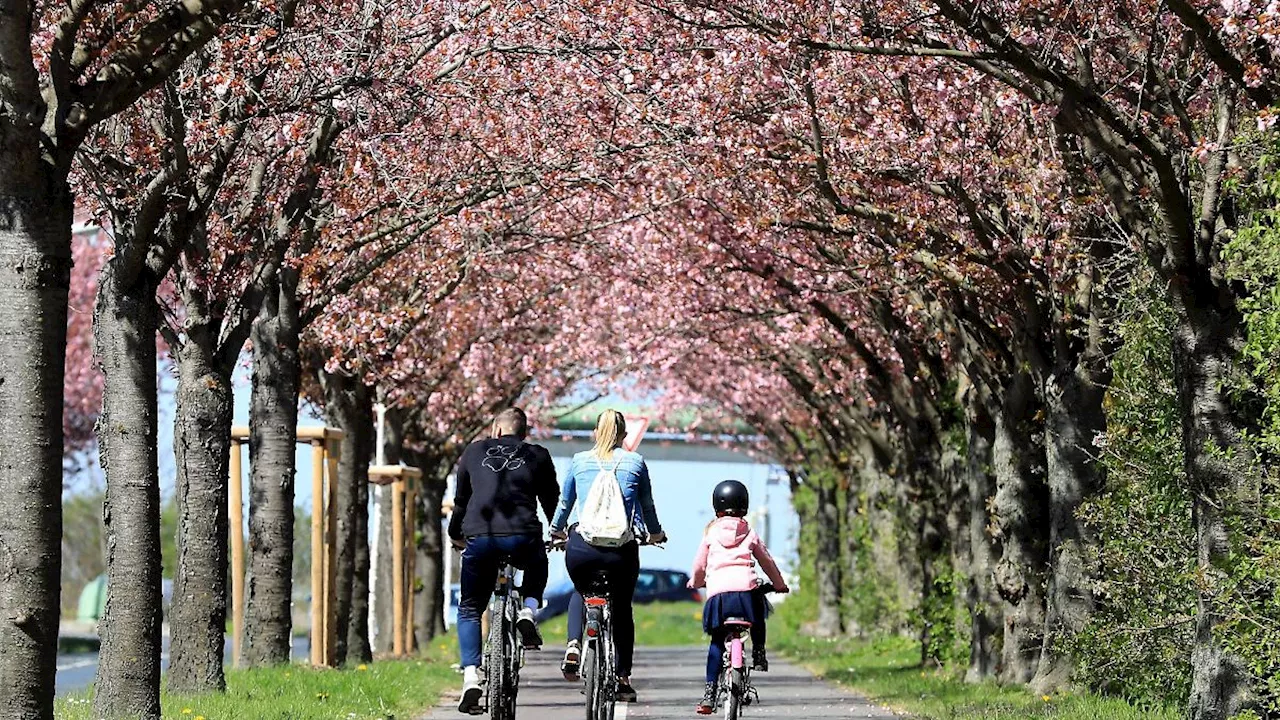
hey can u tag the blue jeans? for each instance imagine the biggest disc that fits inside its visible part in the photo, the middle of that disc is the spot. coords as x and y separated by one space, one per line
480 562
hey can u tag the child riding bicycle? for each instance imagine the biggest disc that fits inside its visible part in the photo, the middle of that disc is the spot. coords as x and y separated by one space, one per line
726 566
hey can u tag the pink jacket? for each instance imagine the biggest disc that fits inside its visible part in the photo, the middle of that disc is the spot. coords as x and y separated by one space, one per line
726 559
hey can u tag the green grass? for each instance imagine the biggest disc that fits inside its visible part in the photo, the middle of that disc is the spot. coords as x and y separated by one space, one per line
657 624
382 690
888 671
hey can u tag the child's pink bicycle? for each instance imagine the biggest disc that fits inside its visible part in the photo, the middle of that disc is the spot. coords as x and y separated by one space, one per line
736 689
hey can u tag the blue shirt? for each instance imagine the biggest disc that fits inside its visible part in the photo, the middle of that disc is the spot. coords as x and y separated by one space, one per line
633 478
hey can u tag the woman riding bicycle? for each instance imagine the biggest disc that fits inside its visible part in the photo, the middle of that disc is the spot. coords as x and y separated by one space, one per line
615 556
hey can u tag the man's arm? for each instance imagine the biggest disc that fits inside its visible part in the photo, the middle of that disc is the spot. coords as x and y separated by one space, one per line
461 496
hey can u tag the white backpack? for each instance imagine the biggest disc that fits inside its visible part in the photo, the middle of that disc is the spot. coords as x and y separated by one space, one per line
603 519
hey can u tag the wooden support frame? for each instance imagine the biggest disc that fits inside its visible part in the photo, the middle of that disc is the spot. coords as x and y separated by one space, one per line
325 453
403 483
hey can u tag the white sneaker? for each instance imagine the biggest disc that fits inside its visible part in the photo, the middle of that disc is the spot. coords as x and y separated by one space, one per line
471 692
569 667
528 628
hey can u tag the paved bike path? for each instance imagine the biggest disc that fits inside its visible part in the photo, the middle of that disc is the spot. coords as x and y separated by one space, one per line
669 682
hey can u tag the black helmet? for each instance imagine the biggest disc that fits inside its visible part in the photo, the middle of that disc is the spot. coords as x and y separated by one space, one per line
730 497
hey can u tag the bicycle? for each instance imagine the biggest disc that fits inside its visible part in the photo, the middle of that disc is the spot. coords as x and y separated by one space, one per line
599 678
596 665
504 651
735 673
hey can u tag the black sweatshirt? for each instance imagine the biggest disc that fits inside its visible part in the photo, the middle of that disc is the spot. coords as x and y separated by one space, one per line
501 481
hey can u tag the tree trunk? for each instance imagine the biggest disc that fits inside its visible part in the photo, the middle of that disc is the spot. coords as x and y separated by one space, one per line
273 436
125 321
928 493
1207 344
981 598
1019 508
35 267
826 561
348 406
429 606
202 446
1073 416
358 647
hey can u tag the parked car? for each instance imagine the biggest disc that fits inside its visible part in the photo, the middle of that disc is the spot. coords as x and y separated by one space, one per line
652 586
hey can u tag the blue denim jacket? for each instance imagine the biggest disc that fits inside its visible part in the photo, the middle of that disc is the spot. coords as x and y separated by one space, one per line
633 477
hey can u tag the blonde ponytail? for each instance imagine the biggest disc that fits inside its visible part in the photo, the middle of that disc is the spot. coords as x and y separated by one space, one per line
611 430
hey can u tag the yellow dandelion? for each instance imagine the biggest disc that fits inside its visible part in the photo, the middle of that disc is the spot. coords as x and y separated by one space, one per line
199 717
1045 698
362 667
186 711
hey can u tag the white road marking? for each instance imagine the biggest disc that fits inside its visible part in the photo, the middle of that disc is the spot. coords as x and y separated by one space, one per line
77 664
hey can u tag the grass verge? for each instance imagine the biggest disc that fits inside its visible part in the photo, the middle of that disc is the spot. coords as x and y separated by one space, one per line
382 690
888 671
657 624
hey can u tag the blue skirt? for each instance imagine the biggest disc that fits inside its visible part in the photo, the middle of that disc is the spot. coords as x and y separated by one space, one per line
750 606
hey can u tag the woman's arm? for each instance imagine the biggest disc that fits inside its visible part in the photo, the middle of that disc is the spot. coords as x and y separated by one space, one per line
568 496
767 564
647 510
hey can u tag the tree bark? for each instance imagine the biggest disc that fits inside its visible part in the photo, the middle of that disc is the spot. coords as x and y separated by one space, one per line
126 317
981 598
348 406
429 606
35 266
202 445
1073 416
1019 506
1207 343
273 436
826 561
358 646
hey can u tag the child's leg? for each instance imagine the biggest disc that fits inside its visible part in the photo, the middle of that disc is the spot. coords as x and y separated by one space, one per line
758 633
715 656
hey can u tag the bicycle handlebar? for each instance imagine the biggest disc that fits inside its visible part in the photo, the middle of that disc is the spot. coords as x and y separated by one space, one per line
557 544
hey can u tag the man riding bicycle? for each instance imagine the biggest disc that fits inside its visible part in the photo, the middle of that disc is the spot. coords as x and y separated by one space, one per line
501 481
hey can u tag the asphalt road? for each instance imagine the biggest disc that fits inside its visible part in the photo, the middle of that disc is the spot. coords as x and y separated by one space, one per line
76 672
669 682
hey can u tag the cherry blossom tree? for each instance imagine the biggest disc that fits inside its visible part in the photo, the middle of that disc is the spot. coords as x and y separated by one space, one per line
66 69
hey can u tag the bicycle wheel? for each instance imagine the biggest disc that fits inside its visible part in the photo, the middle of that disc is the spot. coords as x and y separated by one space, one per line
496 660
733 700
590 677
609 676
515 650
514 655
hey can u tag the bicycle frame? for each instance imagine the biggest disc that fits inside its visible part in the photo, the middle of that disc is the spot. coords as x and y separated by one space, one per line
736 690
600 681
